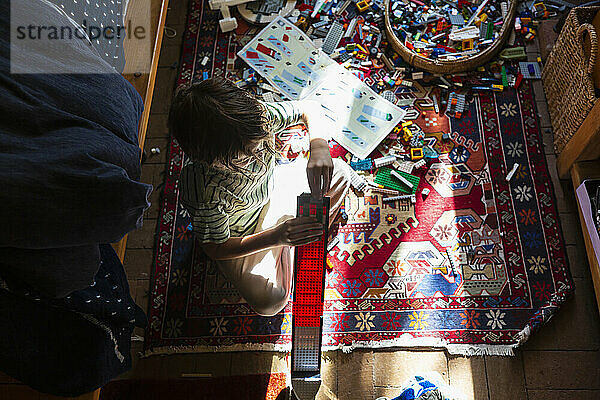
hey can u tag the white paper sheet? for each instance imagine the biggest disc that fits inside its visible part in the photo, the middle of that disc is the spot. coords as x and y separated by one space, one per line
358 118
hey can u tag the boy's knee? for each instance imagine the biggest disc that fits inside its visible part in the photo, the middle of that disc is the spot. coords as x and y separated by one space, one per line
269 304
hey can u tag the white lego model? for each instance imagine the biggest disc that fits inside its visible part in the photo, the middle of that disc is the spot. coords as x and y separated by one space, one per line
227 23
383 161
470 32
402 179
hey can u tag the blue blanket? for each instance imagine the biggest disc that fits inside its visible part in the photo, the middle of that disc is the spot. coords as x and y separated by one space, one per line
71 160
69 171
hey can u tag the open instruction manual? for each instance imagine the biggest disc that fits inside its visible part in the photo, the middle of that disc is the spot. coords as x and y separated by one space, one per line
358 117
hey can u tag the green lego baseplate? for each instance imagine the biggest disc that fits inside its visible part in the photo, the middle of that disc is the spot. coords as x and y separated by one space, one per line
384 178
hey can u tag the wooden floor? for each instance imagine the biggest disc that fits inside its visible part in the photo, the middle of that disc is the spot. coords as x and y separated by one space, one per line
562 361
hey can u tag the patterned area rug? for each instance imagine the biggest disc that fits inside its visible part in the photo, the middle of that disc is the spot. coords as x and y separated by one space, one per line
476 266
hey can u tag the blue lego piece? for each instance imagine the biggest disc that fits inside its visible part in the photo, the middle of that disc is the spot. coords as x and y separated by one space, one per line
362 165
429 152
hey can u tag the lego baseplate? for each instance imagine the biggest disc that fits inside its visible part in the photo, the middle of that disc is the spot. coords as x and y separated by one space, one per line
336 31
384 178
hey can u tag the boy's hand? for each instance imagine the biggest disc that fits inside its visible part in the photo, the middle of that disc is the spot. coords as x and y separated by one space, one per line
320 168
298 231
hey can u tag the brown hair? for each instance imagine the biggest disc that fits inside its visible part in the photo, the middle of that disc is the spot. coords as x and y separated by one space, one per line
215 121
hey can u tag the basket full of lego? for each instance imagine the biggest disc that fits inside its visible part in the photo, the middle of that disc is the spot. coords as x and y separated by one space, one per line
569 74
442 36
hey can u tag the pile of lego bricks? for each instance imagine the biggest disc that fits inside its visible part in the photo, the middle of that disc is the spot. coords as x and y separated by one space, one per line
446 30
353 34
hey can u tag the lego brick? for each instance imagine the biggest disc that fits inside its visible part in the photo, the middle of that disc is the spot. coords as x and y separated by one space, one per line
457 19
406 166
411 197
390 192
385 178
309 281
530 70
402 179
513 53
417 139
383 161
430 152
456 105
416 153
333 243
419 164
362 165
358 182
389 96
351 26
332 40
363 5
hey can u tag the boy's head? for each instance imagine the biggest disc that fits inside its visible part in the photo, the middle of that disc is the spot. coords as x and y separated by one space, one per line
214 120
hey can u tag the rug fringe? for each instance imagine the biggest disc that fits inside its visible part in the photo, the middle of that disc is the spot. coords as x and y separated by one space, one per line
411 343
507 350
274 347
405 343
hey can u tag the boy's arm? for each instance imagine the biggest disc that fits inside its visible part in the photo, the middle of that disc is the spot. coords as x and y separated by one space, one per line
293 232
320 165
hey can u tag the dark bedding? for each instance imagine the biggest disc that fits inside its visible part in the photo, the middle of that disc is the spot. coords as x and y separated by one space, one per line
70 153
69 171
73 345
70 157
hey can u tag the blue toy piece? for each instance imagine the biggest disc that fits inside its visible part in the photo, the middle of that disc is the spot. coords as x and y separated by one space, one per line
430 152
343 216
362 165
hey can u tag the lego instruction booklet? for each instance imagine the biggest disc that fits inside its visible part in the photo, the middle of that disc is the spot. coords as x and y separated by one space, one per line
288 59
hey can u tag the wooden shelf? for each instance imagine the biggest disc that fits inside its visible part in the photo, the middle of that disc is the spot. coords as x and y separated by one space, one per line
580 172
584 145
581 159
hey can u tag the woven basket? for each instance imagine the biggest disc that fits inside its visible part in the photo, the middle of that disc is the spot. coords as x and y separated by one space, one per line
448 67
567 75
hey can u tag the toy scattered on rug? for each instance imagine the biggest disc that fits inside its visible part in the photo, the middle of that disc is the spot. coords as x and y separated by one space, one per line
227 23
309 281
336 52
353 34
429 386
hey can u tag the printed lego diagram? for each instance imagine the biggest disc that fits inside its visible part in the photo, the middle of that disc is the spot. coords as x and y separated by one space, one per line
358 118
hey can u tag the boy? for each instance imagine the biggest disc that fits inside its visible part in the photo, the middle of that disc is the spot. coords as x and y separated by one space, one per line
242 206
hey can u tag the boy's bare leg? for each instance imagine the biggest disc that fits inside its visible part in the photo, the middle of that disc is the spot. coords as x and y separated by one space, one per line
264 279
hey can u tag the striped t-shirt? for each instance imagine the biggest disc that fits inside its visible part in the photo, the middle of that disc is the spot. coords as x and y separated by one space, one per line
224 203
